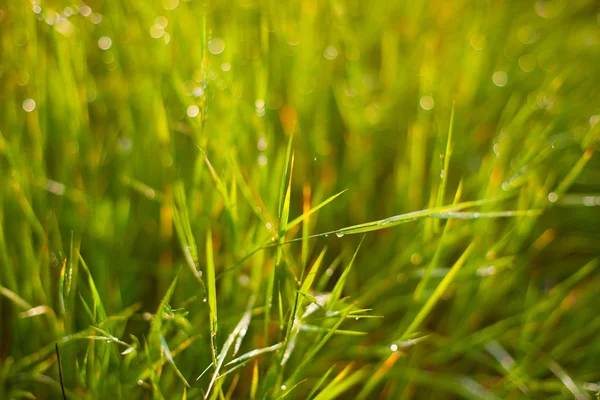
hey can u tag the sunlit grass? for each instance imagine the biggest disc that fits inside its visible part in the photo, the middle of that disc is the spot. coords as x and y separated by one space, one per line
387 200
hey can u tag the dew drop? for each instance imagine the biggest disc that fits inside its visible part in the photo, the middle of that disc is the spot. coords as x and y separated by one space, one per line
85 10
426 102
193 111
262 144
204 300
96 18
262 160
283 387
216 46
500 78
339 234
140 382
330 52
394 347
104 42
29 105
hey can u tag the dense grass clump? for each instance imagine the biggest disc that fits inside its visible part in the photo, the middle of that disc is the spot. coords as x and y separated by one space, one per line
299 199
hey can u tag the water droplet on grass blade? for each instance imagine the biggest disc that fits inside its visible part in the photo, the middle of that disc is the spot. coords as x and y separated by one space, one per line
339 234
29 105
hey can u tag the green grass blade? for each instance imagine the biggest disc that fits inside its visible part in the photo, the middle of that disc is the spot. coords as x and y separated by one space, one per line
437 294
339 286
409 217
305 214
320 383
445 169
99 311
212 292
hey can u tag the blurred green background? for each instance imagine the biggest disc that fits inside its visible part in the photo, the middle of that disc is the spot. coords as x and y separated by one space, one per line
138 136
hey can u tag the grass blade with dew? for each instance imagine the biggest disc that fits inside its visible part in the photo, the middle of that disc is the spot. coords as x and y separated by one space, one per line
409 217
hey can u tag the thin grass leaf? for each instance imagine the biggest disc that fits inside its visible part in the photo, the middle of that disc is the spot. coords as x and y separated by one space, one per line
285 214
339 286
438 292
254 384
254 353
315 349
320 383
313 328
167 352
491 214
310 212
341 384
409 217
98 306
241 326
15 298
212 292
286 393
284 176
566 183
379 374
444 173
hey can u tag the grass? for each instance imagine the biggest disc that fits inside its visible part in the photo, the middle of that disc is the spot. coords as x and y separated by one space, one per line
258 199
